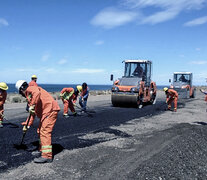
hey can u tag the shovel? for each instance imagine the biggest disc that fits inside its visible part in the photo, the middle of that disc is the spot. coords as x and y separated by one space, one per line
89 114
21 145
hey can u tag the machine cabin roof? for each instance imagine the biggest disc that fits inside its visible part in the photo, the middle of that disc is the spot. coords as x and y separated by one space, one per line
137 61
182 73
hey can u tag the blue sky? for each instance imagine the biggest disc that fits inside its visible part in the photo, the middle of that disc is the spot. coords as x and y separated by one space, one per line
75 41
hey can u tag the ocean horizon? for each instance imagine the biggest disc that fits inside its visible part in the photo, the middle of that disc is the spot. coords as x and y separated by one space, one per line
59 87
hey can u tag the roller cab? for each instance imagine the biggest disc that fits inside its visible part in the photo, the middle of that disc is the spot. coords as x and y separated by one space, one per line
182 83
135 88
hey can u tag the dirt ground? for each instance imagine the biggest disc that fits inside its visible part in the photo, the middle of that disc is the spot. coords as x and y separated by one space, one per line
116 143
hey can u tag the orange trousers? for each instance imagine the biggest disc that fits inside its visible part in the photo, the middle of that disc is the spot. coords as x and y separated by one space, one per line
68 104
45 134
170 101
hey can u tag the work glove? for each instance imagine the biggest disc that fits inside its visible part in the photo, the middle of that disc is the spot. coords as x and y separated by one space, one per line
2 115
25 128
32 109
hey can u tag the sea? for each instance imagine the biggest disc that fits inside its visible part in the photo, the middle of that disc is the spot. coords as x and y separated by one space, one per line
59 87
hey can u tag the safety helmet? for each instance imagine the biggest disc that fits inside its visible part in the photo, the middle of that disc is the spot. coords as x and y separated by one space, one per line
79 88
34 77
3 86
21 84
165 89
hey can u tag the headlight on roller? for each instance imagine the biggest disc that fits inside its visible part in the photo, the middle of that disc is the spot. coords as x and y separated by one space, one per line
135 89
114 89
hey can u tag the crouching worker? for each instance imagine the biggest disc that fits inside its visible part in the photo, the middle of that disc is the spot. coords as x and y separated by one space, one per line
3 95
83 97
171 96
69 97
42 104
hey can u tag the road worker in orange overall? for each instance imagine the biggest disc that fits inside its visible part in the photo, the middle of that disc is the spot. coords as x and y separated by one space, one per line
3 95
42 104
33 82
69 97
171 96
204 92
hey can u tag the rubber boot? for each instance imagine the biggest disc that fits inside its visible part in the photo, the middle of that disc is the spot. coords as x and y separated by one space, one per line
65 115
42 160
36 153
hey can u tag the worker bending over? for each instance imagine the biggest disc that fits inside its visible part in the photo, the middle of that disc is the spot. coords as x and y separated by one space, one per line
84 97
3 95
171 96
33 82
42 104
69 97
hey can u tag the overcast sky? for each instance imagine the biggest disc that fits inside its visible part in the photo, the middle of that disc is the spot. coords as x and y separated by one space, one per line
75 41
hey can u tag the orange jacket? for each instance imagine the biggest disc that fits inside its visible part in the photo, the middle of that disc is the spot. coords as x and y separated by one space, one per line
172 94
69 90
43 101
3 96
33 83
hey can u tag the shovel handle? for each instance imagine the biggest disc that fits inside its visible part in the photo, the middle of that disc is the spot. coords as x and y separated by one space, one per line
24 132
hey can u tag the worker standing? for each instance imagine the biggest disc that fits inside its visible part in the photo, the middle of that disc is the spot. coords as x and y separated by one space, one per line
33 82
171 96
69 97
84 97
42 104
3 95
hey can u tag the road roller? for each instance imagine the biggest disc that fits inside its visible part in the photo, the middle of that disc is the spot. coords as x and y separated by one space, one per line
135 88
183 84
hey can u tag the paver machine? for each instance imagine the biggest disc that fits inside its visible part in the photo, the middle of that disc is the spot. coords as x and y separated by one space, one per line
135 87
182 83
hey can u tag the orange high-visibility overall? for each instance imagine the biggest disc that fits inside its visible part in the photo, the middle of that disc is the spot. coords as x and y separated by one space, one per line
172 96
69 103
33 83
46 108
3 95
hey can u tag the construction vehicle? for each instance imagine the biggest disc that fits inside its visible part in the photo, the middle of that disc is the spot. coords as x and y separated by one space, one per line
135 87
182 83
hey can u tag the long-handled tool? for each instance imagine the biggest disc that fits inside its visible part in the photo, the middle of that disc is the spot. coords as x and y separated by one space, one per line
15 125
21 145
89 114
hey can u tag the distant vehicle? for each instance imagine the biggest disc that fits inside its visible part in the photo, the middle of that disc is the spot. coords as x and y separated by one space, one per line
182 83
135 87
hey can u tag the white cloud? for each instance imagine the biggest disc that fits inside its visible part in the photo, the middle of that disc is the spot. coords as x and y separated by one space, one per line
134 11
196 22
3 22
198 62
88 71
111 17
198 49
62 61
99 42
45 56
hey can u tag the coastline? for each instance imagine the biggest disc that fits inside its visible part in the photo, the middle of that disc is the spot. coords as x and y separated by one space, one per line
17 98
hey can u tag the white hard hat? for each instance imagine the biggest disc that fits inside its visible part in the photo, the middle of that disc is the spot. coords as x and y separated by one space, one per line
19 84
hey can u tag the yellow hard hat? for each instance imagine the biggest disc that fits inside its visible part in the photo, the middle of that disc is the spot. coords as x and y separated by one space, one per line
34 76
79 88
165 89
3 86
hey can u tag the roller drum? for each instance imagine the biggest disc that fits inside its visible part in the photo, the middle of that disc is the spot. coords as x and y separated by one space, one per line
119 99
